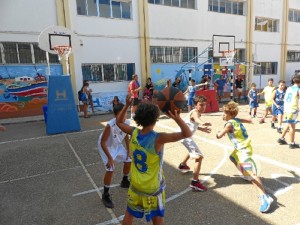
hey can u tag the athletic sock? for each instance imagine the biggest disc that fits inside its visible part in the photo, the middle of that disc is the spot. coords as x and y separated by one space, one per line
194 181
106 189
125 177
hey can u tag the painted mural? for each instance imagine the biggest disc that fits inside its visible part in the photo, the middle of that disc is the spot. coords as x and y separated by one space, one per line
160 73
23 89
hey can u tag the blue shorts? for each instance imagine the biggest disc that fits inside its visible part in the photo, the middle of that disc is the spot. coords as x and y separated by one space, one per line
190 102
220 92
277 111
253 104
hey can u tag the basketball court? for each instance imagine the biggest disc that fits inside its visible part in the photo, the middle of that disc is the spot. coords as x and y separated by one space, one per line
58 179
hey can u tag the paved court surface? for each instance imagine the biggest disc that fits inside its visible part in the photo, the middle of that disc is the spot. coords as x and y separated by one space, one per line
58 179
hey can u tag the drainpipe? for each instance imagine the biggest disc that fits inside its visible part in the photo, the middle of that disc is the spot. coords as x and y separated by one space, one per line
64 19
144 40
284 40
249 40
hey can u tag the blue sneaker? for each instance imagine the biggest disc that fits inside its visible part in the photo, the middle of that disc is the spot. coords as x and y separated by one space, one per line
266 202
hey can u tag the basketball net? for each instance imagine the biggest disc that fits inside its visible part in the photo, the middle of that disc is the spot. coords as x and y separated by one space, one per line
229 55
63 51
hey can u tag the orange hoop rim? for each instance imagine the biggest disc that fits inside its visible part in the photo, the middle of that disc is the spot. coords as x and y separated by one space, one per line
62 50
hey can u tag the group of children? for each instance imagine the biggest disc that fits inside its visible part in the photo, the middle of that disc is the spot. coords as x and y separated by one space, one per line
143 154
282 104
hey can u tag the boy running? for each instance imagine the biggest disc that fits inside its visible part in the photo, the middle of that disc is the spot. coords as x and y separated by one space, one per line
267 92
146 195
277 106
112 150
193 120
242 150
291 104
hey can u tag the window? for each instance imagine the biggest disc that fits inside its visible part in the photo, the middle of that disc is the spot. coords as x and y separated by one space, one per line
266 68
226 6
266 24
172 54
107 72
189 4
294 15
104 8
293 56
24 53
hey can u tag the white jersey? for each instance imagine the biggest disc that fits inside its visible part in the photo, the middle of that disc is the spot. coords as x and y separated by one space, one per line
116 135
191 124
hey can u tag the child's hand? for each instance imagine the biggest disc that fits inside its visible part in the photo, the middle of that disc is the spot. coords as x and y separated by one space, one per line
110 164
207 124
206 129
129 100
217 135
174 115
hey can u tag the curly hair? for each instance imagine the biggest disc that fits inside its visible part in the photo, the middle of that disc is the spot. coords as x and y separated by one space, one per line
146 114
199 98
231 108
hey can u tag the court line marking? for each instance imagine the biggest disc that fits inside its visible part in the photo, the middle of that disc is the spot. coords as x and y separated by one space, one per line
47 173
48 136
110 211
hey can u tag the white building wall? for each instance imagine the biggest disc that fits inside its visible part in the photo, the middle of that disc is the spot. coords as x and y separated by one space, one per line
106 40
22 21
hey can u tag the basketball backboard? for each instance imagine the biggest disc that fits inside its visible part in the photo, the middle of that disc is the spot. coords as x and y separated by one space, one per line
58 36
222 43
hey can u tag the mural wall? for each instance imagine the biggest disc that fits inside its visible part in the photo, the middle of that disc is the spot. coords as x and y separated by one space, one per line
23 89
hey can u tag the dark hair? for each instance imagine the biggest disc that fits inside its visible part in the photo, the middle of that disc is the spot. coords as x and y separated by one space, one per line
146 114
296 79
117 108
192 80
270 79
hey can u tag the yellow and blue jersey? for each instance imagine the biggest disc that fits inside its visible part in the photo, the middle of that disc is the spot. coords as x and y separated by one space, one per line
239 136
146 174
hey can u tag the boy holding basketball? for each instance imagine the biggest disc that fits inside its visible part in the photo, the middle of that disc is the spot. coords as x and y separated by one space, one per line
194 122
242 154
146 194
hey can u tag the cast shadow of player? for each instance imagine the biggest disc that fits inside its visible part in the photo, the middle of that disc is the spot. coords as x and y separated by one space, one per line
273 185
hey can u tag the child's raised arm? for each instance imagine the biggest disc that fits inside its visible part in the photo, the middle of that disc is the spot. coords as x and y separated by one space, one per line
120 118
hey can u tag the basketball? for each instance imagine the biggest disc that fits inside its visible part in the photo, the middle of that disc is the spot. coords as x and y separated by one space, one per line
170 98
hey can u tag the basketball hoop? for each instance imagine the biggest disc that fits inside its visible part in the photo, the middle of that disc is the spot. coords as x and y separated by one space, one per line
63 51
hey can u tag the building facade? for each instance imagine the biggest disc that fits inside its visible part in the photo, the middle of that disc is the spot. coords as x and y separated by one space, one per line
161 39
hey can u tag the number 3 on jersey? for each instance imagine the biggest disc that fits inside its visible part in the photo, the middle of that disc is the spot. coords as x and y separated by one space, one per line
140 158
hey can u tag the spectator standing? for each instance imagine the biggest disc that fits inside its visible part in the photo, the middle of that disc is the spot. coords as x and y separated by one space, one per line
133 90
239 87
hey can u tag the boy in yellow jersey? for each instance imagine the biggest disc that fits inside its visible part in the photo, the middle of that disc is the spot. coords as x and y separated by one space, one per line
242 154
268 94
193 120
291 104
146 194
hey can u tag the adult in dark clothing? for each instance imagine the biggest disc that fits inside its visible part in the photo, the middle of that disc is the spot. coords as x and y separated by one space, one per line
176 83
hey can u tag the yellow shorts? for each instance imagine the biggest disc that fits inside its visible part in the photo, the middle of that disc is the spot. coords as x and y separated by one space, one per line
243 160
290 117
150 206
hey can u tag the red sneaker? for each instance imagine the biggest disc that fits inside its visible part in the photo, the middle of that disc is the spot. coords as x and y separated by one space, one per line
197 186
183 167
